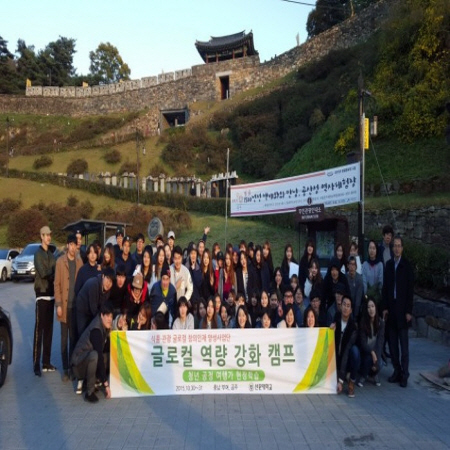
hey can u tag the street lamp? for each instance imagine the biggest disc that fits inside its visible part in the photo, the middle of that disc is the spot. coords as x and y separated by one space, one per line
7 147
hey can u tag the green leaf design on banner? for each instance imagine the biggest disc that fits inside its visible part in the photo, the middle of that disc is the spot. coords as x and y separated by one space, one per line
128 370
318 367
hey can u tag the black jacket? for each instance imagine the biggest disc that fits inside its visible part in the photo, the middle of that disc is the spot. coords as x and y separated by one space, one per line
344 342
402 303
94 337
252 283
44 263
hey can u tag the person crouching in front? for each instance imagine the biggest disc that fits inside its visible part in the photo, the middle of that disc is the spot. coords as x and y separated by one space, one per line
88 359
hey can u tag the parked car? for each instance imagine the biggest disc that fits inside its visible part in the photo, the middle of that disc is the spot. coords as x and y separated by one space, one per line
6 259
23 265
6 344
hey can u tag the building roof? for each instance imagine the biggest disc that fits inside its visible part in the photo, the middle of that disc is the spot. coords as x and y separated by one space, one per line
226 44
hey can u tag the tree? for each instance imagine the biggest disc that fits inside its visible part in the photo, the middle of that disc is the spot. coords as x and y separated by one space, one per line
107 65
331 12
56 62
326 14
8 76
27 63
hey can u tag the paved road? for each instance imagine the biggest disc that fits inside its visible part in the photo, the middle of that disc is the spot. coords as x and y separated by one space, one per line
44 413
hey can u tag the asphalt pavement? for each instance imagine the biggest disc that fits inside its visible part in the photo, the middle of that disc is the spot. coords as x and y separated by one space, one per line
45 413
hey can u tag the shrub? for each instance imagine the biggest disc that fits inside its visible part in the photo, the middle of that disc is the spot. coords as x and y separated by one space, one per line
113 156
86 209
8 206
24 226
127 166
431 264
77 167
72 201
57 217
42 161
157 169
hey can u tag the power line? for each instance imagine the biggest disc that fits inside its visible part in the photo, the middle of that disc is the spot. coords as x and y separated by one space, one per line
337 8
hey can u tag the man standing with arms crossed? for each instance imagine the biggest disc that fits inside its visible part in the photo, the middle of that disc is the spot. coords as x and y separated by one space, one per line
398 292
66 271
44 263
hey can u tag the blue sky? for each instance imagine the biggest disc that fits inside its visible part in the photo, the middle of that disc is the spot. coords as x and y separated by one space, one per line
153 36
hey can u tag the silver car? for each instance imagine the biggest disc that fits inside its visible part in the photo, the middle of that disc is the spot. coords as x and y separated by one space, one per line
23 264
6 258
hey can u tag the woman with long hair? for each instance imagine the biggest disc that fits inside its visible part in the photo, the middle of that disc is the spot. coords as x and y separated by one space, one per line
246 276
310 319
144 318
146 266
277 285
371 338
209 322
242 319
159 261
314 279
340 254
289 318
229 276
288 258
372 273
108 256
267 255
168 254
184 320
262 270
308 255
207 286
226 316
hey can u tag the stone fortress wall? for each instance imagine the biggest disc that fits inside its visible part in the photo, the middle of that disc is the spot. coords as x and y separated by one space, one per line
176 90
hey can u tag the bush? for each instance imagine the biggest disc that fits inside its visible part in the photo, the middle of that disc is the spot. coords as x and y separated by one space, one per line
86 209
42 161
113 156
57 217
431 264
72 201
8 206
24 226
127 166
77 167
157 169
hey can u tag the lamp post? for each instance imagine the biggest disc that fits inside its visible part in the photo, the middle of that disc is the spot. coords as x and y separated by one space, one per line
7 147
138 139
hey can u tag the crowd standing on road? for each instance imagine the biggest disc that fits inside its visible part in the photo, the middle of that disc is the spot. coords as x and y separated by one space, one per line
162 286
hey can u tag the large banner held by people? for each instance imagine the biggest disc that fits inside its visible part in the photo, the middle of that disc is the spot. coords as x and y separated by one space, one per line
332 187
253 361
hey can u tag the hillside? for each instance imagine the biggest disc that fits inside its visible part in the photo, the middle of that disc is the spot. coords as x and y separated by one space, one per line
303 122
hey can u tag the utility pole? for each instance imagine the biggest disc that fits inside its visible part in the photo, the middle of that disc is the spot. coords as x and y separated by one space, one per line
137 163
7 147
226 195
361 117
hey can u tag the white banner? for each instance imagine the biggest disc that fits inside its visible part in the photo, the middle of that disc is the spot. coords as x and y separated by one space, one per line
253 361
332 187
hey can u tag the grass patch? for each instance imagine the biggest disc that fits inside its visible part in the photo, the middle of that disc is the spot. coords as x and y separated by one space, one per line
96 158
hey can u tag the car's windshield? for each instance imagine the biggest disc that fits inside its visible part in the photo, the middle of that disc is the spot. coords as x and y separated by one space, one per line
3 254
30 249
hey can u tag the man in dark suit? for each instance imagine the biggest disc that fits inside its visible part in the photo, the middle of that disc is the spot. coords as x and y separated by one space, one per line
398 291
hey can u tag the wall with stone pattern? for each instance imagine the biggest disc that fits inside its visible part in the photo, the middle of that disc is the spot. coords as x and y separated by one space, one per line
176 90
429 225
432 318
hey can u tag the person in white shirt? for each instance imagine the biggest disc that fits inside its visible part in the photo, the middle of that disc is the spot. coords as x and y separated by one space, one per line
185 320
180 276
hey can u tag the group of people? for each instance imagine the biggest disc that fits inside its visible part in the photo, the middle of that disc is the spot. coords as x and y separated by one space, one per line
162 286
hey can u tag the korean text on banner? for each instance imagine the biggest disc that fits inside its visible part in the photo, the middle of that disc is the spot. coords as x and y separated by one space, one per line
255 361
332 187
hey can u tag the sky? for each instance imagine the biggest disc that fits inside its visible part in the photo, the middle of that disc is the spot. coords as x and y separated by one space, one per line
153 36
